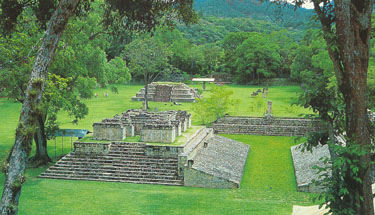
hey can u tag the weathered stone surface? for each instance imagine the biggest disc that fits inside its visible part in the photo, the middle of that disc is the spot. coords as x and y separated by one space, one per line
158 133
219 164
109 131
167 92
91 148
268 126
304 162
137 122
163 151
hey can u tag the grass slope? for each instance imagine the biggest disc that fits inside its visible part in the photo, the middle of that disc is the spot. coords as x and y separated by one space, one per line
268 166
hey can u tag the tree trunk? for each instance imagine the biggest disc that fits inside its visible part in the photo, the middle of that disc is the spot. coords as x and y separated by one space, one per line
41 154
350 59
353 21
31 108
145 105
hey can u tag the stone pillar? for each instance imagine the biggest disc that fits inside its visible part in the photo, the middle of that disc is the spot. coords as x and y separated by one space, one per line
269 109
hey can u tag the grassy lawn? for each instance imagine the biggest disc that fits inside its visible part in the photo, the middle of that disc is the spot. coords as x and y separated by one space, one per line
268 185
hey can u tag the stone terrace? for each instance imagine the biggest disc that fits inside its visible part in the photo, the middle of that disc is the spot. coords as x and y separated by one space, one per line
115 162
268 126
218 162
167 92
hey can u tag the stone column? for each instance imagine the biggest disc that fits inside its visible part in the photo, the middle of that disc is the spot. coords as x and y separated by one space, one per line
269 109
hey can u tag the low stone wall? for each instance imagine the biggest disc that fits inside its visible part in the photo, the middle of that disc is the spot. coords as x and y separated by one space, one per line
158 133
163 151
91 148
268 126
107 131
196 178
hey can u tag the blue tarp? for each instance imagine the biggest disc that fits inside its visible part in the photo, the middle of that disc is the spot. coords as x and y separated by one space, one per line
71 133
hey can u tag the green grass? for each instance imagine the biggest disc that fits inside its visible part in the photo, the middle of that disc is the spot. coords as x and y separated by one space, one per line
268 185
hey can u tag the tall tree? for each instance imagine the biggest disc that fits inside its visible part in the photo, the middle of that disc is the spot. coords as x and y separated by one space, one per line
257 57
346 26
143 14
148 57
31 106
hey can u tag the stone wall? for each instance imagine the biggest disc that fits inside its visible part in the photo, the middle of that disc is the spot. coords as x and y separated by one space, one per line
162 93
196 178
91 148
109 131
304 162
163 151
158 133
268 126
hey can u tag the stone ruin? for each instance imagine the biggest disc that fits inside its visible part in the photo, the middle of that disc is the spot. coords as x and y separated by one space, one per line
203 160
157 127
264 92
167 92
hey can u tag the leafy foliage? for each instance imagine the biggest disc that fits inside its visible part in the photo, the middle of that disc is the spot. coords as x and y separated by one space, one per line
208 109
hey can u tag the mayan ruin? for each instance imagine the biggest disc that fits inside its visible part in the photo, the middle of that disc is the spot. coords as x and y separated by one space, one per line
203 160
167 92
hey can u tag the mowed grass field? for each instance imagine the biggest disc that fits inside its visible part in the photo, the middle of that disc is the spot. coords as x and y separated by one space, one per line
268 185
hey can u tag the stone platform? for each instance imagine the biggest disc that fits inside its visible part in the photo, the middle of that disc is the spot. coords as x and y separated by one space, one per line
267 126
167 92
204 160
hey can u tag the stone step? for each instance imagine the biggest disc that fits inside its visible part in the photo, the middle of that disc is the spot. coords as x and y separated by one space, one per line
122 158
172 183
186 95
114 168
118 163
111 168
113 172
182 100
112 176
125 162
126 147
124 144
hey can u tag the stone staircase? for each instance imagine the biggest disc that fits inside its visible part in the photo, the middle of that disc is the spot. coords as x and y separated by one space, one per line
124 162
170 93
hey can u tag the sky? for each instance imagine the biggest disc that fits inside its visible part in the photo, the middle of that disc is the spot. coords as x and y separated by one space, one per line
307 5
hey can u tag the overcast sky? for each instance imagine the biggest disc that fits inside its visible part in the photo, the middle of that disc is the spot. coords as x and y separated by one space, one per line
308 5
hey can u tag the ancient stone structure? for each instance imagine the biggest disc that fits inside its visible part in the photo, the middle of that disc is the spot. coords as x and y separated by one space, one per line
159 127
304 162
204 160
219 163
109 130
167 92
268 126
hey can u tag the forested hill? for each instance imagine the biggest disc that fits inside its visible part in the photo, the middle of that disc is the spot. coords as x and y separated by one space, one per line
285 16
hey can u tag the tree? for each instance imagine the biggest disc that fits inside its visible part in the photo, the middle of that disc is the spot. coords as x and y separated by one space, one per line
31 107
71 65
346 26
215 106
147 57
139 14
257 57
